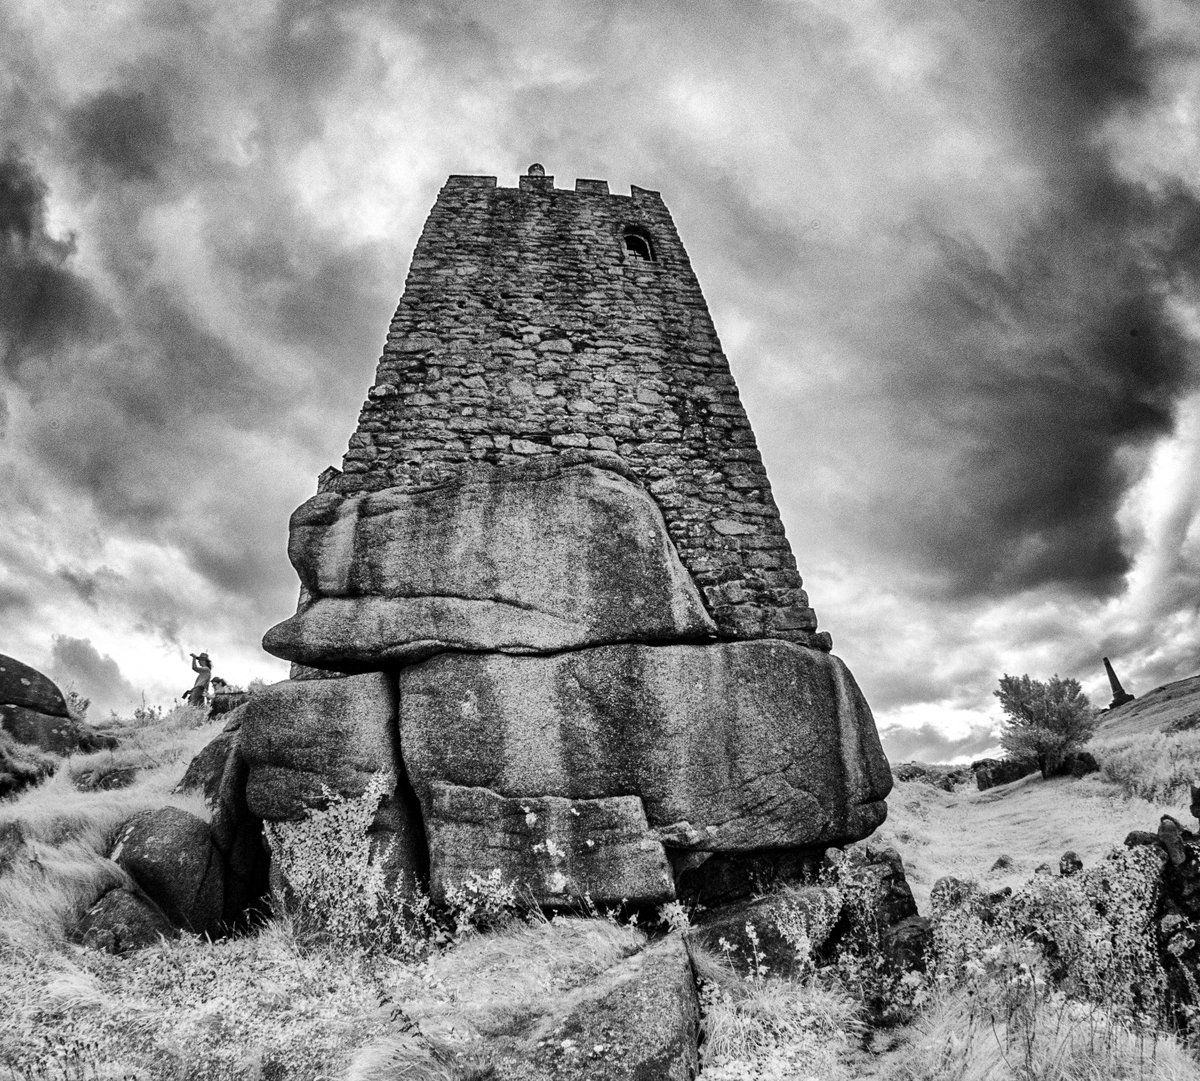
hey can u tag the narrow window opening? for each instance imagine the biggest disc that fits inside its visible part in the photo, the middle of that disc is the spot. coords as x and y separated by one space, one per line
637 244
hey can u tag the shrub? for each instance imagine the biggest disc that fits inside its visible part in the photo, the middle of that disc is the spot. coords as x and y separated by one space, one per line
337 882
1080 948
862 961
481 902
773 1029
1154 766
77 706
1045 720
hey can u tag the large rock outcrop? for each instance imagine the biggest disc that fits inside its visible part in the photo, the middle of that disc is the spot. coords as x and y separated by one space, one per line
553 560
531 558
731 746
548 699
34 712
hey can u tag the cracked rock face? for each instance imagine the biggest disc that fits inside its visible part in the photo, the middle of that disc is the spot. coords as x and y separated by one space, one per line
561 849
731 746
299 737
526 559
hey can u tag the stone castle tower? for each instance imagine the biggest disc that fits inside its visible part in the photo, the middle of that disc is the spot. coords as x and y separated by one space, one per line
549 594
539 320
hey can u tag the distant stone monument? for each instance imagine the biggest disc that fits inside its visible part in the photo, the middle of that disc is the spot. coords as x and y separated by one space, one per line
549 591
1120 695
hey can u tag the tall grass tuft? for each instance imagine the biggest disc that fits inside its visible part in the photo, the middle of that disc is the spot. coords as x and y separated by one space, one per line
1157 766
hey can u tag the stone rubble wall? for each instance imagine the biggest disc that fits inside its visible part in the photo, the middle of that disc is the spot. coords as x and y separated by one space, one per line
526 328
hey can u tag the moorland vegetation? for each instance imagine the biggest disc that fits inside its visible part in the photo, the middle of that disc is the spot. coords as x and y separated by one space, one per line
1057 979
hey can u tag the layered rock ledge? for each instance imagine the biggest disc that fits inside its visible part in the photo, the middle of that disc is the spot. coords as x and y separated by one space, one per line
534 558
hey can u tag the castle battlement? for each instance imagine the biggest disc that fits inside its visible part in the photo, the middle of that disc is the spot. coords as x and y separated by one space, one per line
544 183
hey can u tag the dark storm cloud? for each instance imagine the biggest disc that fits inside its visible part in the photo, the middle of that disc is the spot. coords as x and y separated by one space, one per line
126 133
1028 372
43 303
87 585
77 664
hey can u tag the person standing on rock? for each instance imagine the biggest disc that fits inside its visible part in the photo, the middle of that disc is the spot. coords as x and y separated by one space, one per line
202 666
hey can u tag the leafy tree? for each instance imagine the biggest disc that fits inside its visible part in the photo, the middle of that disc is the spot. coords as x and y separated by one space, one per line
1045 720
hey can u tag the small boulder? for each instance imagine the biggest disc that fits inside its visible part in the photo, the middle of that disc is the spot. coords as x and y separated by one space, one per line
946 778
990 772
1069 864
1043 869
1077 764
781 922
639 1020
226 700
1003 863
124 919
889 898
907 944
169 853
949 892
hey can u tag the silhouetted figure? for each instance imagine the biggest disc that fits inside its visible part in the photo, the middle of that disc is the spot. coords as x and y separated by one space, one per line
1120 695
202 666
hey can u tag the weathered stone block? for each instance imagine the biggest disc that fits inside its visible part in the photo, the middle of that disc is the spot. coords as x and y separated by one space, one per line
560 849
298 736
750 745
537 558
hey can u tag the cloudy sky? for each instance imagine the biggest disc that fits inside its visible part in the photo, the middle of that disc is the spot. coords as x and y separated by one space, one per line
951 246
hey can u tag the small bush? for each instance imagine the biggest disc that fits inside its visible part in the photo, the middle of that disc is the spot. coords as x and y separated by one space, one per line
1157 767
338 883
482 902
773 1029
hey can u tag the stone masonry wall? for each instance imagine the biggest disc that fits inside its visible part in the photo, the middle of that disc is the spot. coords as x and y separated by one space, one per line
526 328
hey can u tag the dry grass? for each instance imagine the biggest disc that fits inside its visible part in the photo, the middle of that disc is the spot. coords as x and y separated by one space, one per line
512 982
1032 821
1157 766
773 1029
191 1010
1067 1041
64 866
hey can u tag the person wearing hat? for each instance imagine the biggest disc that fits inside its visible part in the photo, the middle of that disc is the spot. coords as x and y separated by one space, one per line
202 666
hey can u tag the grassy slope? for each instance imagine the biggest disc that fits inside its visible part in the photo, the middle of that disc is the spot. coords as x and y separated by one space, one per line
1153 711
1031 821
238 1006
